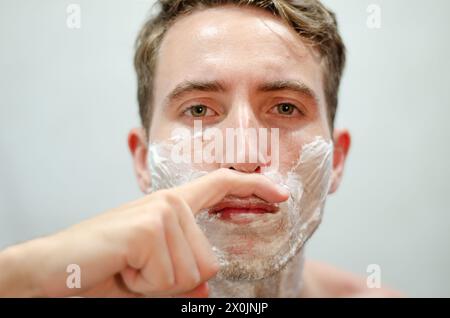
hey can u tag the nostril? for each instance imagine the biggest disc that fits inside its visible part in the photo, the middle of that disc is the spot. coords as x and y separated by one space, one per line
247 169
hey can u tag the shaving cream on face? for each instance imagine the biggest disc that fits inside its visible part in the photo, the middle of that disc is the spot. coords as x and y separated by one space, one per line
262 244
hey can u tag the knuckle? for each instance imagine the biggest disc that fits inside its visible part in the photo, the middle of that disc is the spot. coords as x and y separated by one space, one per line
145 228
150 221
165 212
191 280
171 198
214 267
227 174
224 172
161 195
167 283
210 268
155 227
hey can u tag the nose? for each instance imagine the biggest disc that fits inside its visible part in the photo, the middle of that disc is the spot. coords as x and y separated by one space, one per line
243 167
243 148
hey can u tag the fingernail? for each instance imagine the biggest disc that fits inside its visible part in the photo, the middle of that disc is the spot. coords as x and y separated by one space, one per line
283 190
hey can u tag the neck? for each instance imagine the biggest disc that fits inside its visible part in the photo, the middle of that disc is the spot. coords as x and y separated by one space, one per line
285 283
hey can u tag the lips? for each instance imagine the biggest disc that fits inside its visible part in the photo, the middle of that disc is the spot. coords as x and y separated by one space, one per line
234 206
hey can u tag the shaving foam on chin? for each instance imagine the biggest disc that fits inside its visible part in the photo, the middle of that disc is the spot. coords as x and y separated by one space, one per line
267 242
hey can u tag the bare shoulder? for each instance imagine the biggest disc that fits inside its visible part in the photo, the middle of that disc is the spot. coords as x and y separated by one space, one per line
323 280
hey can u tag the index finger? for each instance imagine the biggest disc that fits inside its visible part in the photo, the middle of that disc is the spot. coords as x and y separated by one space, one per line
209 190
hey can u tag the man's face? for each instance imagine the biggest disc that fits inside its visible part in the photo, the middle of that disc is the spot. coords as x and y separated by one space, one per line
242 50
250 70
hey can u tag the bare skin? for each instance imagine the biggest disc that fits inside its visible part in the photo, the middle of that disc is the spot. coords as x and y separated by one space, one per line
152 246
241 49
323 280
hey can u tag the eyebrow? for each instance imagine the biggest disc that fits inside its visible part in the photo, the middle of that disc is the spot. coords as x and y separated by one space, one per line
291 85
191 86
215 86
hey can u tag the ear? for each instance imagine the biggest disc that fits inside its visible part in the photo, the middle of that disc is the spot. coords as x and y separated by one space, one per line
342 141
137 143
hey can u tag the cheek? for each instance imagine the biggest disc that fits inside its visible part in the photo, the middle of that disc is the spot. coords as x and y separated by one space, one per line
162 128
289 155
291 142
290 147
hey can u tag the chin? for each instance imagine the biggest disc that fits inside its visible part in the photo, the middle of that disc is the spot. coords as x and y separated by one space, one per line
260 261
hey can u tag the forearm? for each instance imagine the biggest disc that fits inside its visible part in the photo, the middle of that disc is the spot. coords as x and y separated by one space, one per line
19 270
38 268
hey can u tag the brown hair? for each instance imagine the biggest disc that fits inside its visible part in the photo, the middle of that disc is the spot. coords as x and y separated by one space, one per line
309 18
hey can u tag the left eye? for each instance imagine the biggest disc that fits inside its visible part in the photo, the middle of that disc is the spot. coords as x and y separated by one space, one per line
285 109
199 111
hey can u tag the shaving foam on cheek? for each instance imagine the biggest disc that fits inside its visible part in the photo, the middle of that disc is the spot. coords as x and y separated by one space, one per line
262 244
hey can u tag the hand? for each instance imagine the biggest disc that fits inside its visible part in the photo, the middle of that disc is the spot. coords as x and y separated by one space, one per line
150 247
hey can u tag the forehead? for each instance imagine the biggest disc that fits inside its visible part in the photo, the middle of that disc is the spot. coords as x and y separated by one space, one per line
239 46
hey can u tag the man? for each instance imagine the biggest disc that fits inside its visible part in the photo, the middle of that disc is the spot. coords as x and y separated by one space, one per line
216 227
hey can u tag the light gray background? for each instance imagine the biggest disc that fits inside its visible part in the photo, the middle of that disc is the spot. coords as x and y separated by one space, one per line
67 101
